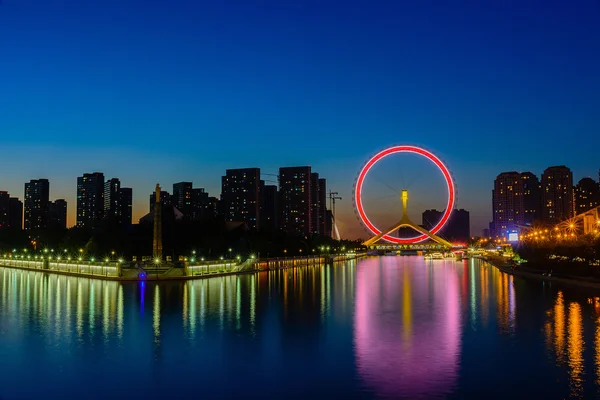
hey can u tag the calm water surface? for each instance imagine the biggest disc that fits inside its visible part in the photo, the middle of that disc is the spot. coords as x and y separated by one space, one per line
395 327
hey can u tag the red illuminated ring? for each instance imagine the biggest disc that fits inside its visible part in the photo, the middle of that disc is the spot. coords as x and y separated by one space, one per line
403 149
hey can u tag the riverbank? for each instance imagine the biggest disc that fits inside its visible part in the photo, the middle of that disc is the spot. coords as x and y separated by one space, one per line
524 272
124 274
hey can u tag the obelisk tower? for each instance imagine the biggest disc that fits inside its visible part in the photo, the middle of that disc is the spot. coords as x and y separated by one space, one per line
157 243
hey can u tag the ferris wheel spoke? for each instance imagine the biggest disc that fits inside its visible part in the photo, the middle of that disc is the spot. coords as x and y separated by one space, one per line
415 178
387 185
388 196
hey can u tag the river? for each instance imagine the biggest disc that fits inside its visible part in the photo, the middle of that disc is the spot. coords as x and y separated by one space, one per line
387 327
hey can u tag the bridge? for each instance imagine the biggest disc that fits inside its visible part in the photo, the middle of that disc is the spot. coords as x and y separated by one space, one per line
435 243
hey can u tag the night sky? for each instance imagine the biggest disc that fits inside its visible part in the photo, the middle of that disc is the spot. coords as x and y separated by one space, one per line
167 91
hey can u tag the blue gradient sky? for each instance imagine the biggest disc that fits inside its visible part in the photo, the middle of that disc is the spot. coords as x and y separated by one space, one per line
165 91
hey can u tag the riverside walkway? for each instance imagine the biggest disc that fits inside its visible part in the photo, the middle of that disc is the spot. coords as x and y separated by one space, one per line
124 271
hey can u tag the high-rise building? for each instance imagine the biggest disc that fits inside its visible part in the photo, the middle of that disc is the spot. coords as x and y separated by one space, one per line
557 195
430 218
11 211
516 202
240 194
295 200
15 213
117 202
457 229
318 203
4 209
269 208
90 199
212 207
532 197
587 195
182 197
58 214
125 206
322 208
165 198
111 198
507 204
199 204
37 204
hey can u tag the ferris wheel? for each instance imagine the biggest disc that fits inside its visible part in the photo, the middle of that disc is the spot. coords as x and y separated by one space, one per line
421 234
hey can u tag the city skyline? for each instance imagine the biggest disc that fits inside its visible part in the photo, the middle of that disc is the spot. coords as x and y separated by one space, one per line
141 207
289 84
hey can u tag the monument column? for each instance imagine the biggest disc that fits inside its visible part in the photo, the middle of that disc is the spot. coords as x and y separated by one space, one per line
157 247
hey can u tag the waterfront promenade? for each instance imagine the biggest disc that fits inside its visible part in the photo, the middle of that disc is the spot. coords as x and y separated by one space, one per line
124 271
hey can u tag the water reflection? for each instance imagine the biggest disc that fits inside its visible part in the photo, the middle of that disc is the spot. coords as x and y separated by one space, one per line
575 350
407 327
62 306
565 333
400 327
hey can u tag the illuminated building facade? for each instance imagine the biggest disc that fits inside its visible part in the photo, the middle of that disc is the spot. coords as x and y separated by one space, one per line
532 197
241 196
11 211
295 200
318 204
182 197
587 195
507 204
557 195
117 202
37 204
90 199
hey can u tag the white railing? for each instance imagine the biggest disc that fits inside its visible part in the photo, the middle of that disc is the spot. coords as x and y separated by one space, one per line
12 262
73 267
84 268
212 268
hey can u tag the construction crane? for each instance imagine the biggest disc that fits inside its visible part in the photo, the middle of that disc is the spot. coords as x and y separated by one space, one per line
333 196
